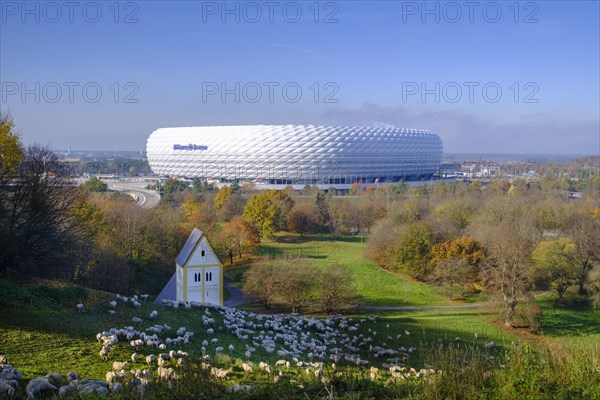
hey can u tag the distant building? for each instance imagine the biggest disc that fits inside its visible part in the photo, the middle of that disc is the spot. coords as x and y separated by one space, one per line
295 154
199 272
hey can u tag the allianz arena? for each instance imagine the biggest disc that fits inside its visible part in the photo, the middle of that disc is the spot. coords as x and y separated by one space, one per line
295 154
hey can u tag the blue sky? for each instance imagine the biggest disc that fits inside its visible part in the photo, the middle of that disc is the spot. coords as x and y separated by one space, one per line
392 63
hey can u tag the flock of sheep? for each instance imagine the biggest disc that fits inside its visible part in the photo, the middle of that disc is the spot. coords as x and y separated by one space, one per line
51 383
301 344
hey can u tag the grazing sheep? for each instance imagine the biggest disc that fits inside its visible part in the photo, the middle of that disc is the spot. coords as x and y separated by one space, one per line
165 373
3 359
135 357
38 385
6 390
118 366
144 297
55 379
489 345
104 351
112 304
80 307
136 320
72 376
116 387
66 391
246 367
150 359
153 314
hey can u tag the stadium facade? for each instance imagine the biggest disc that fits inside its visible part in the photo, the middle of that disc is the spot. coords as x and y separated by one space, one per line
295 154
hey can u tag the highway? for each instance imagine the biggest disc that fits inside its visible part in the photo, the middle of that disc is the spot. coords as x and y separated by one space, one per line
143 197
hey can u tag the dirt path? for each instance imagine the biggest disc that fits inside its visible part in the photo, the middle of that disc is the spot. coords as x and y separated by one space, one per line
236 297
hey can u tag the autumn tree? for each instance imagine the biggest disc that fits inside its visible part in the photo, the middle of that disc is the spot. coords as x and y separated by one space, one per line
199 212
509 239
12 152
464 248
233 207
556 265
335 288
222 196
583 230
237 238
381 246
284 202
297 284
260 282
263 213
303 218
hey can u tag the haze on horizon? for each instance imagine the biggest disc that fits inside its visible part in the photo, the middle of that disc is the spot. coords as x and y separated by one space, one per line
491 77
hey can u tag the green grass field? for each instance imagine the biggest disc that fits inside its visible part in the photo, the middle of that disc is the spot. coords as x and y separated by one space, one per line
374 286
41 332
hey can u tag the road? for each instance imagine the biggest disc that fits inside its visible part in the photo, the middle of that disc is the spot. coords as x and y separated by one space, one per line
143 197
236 297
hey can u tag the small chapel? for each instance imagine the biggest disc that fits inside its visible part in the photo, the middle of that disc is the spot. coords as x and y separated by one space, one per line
199 272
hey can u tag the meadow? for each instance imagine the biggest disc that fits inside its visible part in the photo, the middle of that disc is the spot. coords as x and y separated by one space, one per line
42 332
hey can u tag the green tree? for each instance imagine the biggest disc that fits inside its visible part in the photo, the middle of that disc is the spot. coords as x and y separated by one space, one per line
556 264
173 185
263 213
95 185
414 249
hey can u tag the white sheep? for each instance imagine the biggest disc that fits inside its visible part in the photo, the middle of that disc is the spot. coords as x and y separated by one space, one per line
6 390
246 367
136 320
80 307
72 376
150 359
118 366
135 357
104 352
112 304
38 385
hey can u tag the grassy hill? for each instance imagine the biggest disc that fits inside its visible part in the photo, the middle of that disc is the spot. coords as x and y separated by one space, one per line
41 331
